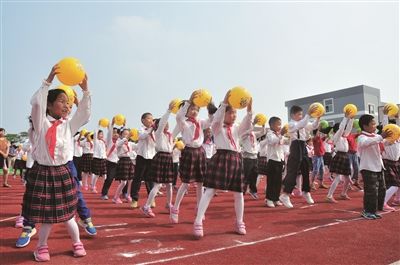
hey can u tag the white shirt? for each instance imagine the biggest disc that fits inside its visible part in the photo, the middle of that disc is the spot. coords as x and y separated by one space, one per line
123 147
176 154
392 150
250 145
77 146
275 146
27 147
328 146
19 154
146 144
303 127
164 141
263 148
111 151
99 149
132 153
340 137
188 128
209 148
65 131
220 131
369 151
87 146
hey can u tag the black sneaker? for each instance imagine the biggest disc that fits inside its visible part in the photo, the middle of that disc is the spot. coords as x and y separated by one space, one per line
368 216
378 216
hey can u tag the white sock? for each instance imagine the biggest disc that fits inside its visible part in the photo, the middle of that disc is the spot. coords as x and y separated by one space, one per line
152 194
239 206
390 192
199 192
44 233
203 205
94 180
346 185
169 193
334 185
119 189
179 196
299 182
73 230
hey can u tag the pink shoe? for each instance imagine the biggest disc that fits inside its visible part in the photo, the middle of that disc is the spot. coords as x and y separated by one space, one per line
147 212
240 228
19 222
128 198
86 187
174 215
117 200
42 253
198 231
387 208
79 250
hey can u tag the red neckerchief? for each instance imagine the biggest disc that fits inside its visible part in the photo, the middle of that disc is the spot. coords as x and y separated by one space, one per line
112 148
229 133
381 145
51 137
197 130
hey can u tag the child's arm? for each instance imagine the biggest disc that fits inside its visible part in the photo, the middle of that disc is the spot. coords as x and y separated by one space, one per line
246 123
340 131
164 120
295 126
120 142
365 141
349 127
273 139
181 116
82 114
110 130
218 121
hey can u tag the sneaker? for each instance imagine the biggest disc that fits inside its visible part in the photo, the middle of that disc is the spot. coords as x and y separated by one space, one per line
285 199
331 200
88 225
278 203
308 198
240 228
367 215
134 204
313 187
269 203
19 222
42 253
147 211
345 197
198 231
377 216
128 198
25 237
254 195
174 215
153 204
117 200
323 186
104 197
387 208
79 250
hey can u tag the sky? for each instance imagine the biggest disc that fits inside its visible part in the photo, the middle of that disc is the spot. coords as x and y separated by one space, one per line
139 56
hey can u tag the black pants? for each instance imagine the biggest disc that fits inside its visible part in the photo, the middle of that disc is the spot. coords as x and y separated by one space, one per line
297 160
250 174
77 163
274 180
176 171
374 190
111 172
142 171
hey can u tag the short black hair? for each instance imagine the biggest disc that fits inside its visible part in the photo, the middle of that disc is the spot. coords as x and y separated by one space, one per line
365 120
272 120
121 130
2 129
336 127
155 125
294 109
144 115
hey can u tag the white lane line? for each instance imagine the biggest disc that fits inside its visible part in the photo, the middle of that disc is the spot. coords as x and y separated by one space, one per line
347 211
9 218
113 229
307 206
110 225
241 244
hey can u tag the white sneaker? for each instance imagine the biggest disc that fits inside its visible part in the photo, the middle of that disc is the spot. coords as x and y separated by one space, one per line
278 203
308 198
285 199
269 203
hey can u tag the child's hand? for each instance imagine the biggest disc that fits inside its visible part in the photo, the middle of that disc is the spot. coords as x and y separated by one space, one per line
53 73
113 121
284 130
171 106
386 134
250 105
194 94
84 84
76 100
386 110
255 120
227 95
312 110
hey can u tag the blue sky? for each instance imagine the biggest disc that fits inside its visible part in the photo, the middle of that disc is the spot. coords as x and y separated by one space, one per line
139 56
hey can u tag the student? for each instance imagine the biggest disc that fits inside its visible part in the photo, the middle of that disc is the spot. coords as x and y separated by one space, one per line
87 158
99 165
4 149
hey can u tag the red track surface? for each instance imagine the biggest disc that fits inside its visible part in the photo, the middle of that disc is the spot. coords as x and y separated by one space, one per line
320 234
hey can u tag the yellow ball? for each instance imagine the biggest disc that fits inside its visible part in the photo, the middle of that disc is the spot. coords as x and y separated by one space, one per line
239 97
319 112
70 93
83 132
392 109
71 71
394 130
351 108
201 98
134 134
119 119
176 103
261 119
104 122
180 145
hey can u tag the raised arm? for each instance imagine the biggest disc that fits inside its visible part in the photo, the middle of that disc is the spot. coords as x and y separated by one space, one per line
181 116
163 122
246 123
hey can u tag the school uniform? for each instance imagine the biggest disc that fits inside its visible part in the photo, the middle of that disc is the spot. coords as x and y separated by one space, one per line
99 166
176 154
125 167
262 160
87 155
193 163
328 153
298 156
340 163
77 158
111 161
162 169
225 171
50 177
19 162
391 160
209 149
276 157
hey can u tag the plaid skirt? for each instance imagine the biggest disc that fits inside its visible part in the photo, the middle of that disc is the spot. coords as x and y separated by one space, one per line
340 164
20 164
225 171
392 173
99 166
262 165
125 169
192 164
86 163
162 168
50 195
327 159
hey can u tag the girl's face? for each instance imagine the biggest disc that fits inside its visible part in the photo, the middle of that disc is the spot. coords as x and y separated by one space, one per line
148 121
371 128
208 133
193 111
230 117
125 134
100 135
277 126
115 135
59 108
